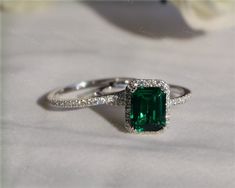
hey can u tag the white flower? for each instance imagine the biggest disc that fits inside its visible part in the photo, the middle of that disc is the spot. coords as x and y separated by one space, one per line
207 14
22 5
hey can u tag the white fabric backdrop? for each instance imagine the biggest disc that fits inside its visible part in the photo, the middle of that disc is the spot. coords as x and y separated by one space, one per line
89 148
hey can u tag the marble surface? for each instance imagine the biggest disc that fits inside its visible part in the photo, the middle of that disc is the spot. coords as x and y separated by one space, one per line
68 42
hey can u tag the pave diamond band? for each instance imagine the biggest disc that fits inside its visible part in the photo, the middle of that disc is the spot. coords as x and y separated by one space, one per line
105 91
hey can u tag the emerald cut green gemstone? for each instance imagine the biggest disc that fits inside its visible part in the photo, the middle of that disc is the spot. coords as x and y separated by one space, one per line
148 109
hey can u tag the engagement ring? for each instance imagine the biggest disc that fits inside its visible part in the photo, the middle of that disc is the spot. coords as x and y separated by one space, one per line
147 101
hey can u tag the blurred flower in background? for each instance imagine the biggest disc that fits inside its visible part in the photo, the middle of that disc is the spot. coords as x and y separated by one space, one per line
207 14
22 5
199 14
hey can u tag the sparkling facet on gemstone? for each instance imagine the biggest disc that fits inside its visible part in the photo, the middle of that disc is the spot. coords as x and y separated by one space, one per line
148 109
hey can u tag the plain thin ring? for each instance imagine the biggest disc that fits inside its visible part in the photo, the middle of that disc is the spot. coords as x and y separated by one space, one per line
104 91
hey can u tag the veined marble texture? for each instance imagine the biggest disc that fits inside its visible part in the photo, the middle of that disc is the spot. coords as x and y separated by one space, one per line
69 42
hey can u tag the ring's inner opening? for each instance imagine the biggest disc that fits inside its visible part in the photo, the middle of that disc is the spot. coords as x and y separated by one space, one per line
176 92
93 88
73 92
116 87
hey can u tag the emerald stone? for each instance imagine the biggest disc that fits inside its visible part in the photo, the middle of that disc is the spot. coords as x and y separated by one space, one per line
148 109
